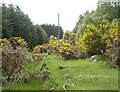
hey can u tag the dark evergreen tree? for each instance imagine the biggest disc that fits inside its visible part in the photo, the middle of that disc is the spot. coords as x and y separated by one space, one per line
16 24
52 30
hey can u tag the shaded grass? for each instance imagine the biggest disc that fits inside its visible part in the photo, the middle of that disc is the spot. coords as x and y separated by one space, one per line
77 75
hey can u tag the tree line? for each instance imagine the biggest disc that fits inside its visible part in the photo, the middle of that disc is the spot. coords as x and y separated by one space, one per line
104 11
17 24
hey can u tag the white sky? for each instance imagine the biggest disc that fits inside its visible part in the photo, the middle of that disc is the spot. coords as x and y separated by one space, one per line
45 11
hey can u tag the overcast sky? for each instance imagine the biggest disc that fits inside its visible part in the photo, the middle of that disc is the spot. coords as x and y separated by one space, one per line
45 11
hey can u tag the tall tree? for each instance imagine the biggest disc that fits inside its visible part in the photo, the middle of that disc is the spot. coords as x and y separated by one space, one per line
6 22
41 35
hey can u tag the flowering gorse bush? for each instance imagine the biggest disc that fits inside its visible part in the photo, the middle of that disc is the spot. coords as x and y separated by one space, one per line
112 41
5 43
12 58
67 46
40 49
104 39
91 41
15 56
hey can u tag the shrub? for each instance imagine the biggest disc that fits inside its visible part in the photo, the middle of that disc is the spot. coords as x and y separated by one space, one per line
34 66
12 58
53 45
91 41
66 47
18 41
104 39
15 56
113 43
40 49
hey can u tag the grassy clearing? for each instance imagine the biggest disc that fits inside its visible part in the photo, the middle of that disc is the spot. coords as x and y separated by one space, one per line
76 75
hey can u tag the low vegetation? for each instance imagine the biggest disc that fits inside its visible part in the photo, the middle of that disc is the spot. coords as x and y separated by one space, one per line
72 75
16 57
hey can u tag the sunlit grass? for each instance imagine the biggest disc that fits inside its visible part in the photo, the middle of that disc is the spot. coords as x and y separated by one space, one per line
77 75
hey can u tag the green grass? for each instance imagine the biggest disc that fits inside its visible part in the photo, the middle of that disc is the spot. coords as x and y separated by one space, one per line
78 75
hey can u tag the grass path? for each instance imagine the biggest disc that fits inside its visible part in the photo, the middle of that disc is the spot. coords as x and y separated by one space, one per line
75 75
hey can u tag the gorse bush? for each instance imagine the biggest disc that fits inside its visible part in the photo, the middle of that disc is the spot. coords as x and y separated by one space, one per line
104 39
18 41
67 46
15 55
40 49
53 44
112 41
12 58
5 43
91 41
65 49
